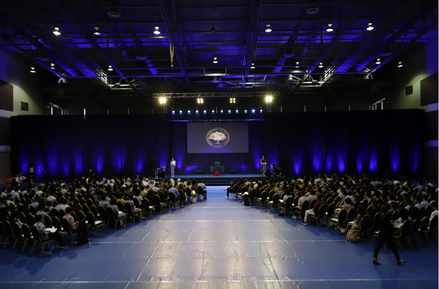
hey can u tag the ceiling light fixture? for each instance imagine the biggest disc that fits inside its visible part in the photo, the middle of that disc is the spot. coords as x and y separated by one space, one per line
56 31
370 27
52 66
312 10
297 64
213 30
156 27
330 28
97 33
32 70
110 68
162 100
268 28
400 64
321 65
378 61
215 60
232 100
253 66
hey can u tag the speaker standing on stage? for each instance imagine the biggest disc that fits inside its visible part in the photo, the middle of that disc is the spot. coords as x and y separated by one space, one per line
173 164
263 165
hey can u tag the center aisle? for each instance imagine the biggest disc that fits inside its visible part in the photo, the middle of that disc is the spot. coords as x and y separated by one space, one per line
220 243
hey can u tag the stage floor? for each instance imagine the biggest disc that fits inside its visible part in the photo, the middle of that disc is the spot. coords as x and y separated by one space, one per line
222 176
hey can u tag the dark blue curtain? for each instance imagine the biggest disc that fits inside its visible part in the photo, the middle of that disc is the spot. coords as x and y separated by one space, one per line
372 142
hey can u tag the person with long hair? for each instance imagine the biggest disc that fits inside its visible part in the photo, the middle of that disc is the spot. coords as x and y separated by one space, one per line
385 235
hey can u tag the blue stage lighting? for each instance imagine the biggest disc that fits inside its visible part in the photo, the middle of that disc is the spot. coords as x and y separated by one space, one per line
213 111
173 112
237 111
196 111
205 112
260 111
188 112
253 111
181 112
230 111
245 111
221 111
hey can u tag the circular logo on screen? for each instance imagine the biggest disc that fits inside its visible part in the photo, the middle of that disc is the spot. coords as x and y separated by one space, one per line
217 137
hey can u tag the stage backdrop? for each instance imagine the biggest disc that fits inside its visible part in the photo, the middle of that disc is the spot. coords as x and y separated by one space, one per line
373 142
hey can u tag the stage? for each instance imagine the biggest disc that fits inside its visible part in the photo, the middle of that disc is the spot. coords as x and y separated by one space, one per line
211 180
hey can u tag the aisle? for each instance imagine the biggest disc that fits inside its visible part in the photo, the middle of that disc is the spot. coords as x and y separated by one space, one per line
219 243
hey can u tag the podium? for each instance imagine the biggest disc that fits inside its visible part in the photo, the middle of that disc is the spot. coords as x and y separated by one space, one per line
264 167
217 167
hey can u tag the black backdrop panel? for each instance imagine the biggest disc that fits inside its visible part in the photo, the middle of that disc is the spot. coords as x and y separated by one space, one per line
372 142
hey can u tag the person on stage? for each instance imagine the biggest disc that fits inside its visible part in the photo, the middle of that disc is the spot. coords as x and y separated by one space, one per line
173 164
263 165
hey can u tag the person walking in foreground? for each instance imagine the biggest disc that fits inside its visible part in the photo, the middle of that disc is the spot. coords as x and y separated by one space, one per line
385 235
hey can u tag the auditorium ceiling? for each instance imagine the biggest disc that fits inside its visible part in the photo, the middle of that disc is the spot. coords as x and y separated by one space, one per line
150 46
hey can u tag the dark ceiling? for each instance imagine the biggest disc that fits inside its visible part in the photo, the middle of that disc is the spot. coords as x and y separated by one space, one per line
193 32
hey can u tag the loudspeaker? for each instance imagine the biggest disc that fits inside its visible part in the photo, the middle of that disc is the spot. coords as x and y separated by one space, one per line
233 171
199 171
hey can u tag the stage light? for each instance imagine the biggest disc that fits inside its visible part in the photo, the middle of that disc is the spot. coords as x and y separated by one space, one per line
268 28
400 64
321 65
268 99
297 64
56 31
221 111
378 61
110 68
260 110
215 60
188 112
32 70
200 100
196 111
370 27
252 66
213 111
330 28
173 112
162 100
232 100
181 112
237 111
245 111
204 111
52 66
97 33
253 111
230 111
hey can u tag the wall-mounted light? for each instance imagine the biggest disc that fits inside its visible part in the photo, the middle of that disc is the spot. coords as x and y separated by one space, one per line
56 31
268 28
